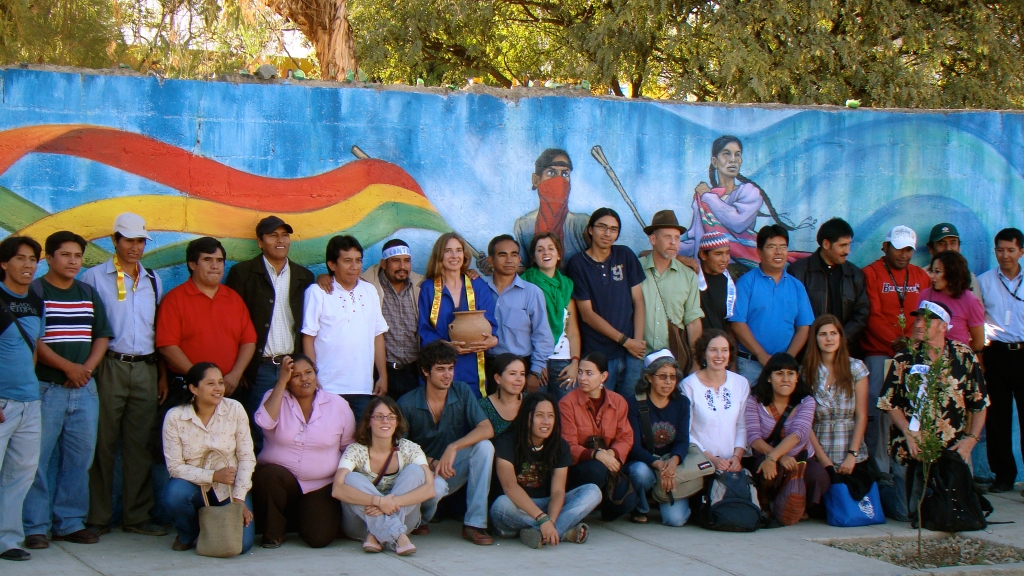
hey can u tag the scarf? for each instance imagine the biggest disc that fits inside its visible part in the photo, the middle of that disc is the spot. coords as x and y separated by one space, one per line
557 293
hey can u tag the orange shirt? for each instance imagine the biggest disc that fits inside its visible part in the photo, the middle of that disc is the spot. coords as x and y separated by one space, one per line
883 320
579 422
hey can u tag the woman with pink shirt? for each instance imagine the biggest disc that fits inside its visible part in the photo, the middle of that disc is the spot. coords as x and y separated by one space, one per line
951 283
305 430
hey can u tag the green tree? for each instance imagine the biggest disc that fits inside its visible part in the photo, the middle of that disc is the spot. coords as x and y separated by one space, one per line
62 32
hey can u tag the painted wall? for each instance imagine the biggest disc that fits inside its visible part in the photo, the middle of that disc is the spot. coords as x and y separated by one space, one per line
211 158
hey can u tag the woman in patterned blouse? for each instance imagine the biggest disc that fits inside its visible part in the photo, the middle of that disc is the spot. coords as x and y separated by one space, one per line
502 405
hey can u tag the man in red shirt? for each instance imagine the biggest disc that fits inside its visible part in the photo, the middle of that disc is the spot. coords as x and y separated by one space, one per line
203 321
893 286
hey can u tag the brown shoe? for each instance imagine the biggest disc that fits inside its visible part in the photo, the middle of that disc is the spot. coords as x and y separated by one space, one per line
36 542
179 546
477 536
98 529
421 530
82 536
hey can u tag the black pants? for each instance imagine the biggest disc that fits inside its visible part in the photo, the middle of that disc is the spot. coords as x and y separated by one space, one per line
594 472
402 380
1005 380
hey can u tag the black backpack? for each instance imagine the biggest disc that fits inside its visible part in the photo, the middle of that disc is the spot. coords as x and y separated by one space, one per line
729 503
950 502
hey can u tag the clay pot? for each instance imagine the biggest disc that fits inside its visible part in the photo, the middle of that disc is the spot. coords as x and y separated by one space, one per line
469 327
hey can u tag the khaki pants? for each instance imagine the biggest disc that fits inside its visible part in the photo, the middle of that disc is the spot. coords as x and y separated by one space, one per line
128 406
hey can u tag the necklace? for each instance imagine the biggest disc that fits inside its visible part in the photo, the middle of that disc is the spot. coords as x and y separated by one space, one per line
901 294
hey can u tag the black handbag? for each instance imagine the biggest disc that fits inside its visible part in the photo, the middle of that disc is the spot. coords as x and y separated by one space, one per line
618 487
950 503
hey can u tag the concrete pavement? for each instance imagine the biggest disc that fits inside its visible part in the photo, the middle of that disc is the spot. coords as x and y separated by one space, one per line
618 548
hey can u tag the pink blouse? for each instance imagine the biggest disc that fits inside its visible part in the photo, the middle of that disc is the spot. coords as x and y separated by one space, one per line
309 450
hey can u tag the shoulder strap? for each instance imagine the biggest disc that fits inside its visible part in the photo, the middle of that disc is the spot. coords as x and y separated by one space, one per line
156 291
387 462
646 429
37 287
776 434
29 341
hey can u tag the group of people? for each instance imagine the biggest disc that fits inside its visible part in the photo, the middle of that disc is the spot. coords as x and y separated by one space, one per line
342 405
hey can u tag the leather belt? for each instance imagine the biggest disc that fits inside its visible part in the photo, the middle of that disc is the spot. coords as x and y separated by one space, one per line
1014 346
132 358
274 359
746 355
399 367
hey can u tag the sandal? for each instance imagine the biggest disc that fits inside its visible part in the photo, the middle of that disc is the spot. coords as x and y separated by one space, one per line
371 546
578 534
638 518
531 537
407 550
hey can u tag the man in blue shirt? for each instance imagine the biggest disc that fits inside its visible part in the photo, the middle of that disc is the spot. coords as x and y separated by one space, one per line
607 280
21 327
773 313
521 313
446 420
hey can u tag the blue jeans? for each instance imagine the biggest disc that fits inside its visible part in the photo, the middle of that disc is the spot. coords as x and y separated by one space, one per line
386 527
623 374
555 387
183 499
266 379
749 369
473 467
643 478
19 458
877 434
69 421
580 501
357 402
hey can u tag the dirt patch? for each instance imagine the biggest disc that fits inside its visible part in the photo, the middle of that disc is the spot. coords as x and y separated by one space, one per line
936 552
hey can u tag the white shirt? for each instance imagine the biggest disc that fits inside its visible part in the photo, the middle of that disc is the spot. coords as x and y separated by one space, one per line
1004 313
562 344
344 325
280 339
717 421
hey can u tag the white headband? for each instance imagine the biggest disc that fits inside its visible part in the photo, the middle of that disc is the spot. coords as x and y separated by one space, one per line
934 309
399 250
663 353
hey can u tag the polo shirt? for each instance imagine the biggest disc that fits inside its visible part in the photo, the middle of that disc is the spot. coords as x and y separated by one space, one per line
74 318
608 286
343 325
522 318
1004 307
672 295
18 378
460 415
206 329
132 319
773 311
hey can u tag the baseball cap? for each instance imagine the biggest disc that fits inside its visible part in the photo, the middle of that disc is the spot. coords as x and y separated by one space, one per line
942 230
131 226
269 224
902 237
936 310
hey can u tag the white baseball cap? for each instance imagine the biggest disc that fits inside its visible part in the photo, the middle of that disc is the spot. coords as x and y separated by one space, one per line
131 226
902 237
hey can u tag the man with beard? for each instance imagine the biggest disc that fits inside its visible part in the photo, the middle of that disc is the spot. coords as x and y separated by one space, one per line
399 290
551 181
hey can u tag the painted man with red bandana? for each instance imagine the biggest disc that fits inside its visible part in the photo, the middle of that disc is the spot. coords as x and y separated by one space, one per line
551 181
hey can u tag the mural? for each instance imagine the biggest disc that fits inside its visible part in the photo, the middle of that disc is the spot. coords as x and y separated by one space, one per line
207 158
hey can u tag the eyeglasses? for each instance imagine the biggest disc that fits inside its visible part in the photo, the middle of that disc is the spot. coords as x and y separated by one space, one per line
664 377
602 228
384 418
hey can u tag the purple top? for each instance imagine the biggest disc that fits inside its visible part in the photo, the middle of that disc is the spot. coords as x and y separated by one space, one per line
760 423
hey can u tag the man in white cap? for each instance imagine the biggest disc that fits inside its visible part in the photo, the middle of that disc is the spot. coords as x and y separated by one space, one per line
127 381
961 418
893 286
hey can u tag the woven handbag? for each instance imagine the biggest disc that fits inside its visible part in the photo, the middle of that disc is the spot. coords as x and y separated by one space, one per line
220 527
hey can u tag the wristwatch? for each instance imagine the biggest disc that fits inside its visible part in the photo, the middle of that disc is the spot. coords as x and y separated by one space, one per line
854 453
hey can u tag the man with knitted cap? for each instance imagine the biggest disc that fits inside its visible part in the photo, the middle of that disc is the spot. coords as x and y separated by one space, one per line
717 289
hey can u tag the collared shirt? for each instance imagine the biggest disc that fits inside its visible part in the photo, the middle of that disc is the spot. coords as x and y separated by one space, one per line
672 295
206 329
401 341
281 336
344 325
523 327
309 450
772 310
461 413
133 319
226 436
1004 314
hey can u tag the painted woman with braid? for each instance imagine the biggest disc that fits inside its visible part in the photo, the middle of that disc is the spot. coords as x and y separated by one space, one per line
731 205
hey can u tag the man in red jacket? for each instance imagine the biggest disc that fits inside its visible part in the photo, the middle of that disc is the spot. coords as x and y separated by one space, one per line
893 286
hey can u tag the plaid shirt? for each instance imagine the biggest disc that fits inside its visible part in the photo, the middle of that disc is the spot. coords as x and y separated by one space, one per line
401 341
281 336
833 417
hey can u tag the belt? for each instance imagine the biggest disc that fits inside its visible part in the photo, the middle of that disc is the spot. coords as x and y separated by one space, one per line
399 367
132 358
274 359
1015 346
746 355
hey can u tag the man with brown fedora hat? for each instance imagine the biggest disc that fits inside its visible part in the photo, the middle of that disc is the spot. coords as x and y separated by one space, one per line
670 289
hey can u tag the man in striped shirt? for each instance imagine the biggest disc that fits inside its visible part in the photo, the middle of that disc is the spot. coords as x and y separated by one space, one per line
75 340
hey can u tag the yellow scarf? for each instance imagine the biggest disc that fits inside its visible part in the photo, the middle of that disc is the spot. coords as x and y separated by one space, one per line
122 291
435 310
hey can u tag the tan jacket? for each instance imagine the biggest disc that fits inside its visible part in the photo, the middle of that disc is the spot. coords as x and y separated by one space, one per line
372 275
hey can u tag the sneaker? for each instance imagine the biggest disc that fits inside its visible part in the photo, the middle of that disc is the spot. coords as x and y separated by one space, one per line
477 536
147 528
82 536
36 542
16 555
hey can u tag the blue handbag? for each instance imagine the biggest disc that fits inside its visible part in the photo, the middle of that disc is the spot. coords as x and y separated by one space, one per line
843 511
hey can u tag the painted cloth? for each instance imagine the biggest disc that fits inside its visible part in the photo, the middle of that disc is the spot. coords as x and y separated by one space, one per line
734 215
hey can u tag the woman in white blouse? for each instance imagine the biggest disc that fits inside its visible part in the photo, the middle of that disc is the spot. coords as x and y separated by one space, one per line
717 400
382 479
205 431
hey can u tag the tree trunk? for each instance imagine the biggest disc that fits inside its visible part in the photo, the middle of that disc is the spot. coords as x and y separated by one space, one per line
325 24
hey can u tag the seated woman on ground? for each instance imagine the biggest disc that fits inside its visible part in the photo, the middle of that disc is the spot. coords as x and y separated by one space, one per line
207 429
305 430
502 405
657 450
382 479
595 423
779 413
531 461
